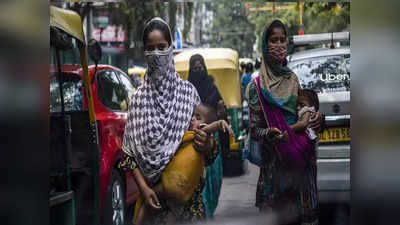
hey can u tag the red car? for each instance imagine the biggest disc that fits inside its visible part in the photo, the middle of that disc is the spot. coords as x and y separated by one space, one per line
111 89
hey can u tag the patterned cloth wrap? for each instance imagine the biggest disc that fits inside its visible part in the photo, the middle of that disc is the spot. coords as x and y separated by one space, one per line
182 175
297 151
159 115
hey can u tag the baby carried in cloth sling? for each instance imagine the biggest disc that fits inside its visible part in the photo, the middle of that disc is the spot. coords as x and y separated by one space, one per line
183 173
297 150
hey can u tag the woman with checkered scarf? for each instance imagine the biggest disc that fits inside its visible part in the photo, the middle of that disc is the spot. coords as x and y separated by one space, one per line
159 114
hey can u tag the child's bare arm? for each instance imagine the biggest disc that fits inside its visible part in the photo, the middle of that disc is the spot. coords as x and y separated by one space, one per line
218 125
302 123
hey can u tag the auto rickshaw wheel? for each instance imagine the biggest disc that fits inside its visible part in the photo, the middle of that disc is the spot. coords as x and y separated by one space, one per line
115 206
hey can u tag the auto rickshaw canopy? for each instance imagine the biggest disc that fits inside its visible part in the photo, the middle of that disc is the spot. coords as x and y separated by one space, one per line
71 23
222 64
68 21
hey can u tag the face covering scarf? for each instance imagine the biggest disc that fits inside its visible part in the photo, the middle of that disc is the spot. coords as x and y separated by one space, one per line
158 62
278 53
159 115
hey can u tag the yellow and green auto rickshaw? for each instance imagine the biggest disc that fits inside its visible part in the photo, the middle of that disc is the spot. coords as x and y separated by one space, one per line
67 38
223 65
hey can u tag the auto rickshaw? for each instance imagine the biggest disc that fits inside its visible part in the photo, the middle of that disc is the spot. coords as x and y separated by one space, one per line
67 38
223 65
137 71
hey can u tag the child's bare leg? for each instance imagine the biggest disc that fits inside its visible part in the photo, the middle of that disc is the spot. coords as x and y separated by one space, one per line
141 215
159 190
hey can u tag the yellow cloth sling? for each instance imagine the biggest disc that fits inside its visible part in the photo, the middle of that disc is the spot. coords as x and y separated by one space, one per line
182 175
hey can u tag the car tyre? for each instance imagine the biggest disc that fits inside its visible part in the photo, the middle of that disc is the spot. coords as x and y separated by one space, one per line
115 205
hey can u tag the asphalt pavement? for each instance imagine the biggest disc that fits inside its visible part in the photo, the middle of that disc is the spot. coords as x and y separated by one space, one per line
238 195
236 203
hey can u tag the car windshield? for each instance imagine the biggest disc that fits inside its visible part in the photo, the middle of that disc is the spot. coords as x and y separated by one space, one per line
323 74
72 90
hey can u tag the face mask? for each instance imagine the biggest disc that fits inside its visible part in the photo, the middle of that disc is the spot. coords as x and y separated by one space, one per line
158 61
278 52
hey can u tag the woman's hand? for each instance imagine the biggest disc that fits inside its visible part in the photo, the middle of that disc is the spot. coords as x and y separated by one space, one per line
202 141
316 122
150 198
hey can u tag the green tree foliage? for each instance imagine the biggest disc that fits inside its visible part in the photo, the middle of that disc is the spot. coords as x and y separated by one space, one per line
318 17
326 17
133 15
231 28
188 14
172 9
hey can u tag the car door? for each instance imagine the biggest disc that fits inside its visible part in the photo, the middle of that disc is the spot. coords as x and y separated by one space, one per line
127 90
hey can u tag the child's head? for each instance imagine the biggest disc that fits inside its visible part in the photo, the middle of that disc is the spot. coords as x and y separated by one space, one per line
202 114
308 97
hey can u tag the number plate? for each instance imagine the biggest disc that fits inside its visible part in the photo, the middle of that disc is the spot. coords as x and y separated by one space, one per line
335 134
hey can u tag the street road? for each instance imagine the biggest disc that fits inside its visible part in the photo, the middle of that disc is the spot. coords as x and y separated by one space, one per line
237 200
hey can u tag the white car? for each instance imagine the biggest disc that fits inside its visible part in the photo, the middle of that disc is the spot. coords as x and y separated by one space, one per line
327 71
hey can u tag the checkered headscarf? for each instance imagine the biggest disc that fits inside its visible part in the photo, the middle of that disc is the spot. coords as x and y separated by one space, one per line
158 116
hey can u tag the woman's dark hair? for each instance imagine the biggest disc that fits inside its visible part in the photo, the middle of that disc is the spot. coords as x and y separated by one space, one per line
275 24
312 96
157 25
249 67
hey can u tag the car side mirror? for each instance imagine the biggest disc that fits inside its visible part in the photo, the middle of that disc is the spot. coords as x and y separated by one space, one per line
94 51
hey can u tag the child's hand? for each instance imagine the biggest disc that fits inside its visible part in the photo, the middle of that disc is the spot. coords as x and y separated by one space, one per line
276 135
150 198
225 127
317 121
283 137
273 133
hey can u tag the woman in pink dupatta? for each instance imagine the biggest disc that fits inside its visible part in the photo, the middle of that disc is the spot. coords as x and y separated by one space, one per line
287 182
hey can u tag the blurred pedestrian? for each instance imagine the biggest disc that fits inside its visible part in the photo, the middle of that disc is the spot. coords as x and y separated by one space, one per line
246 78
287 181
159 114
257 66
211 97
